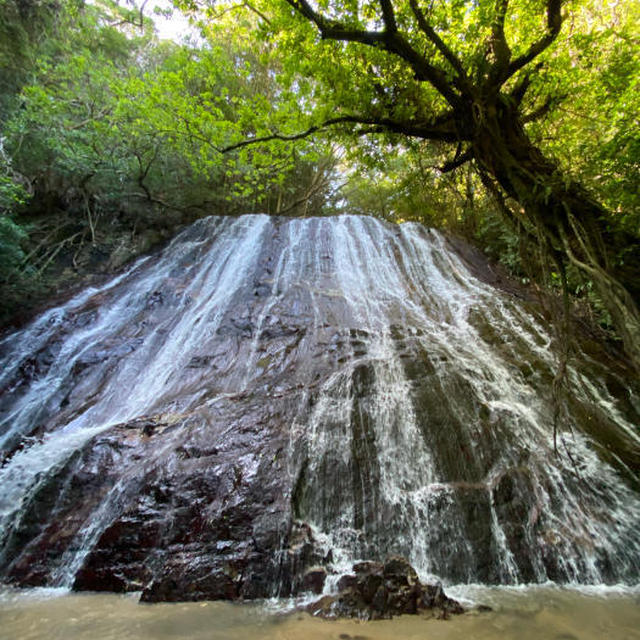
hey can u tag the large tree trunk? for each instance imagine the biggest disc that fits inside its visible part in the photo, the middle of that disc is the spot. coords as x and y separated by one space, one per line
484 111
570 226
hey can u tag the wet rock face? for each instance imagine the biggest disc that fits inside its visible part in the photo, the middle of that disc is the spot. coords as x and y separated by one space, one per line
376 591
167 508
270 399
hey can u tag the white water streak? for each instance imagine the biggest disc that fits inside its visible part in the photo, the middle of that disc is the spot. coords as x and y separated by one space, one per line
380 296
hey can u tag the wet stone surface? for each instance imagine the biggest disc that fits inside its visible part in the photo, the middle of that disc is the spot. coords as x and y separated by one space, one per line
377 591
268 401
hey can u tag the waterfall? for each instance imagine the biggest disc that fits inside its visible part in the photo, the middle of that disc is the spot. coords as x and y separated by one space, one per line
342 373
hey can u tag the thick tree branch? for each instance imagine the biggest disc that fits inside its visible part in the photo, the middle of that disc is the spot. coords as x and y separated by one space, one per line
499 44
288 138
554 23
392 40
456 162
388 16
333 30
497 27
442 128
424 71
520 89
428 30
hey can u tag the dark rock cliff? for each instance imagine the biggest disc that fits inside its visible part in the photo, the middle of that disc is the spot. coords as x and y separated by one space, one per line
268 398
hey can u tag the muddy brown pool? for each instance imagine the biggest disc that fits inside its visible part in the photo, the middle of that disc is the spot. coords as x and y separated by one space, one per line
522 613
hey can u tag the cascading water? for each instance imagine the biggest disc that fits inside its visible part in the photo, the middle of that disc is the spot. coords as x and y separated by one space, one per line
186 423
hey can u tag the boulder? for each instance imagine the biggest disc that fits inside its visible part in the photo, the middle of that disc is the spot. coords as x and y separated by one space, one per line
377 591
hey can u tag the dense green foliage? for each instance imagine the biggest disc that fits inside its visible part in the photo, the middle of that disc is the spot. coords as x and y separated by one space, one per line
516 88
513 123
112 139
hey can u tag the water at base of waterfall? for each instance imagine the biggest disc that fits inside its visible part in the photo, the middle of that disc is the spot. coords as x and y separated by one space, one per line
536 612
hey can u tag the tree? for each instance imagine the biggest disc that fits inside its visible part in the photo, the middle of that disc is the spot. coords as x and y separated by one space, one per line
122 117
110 139
461 72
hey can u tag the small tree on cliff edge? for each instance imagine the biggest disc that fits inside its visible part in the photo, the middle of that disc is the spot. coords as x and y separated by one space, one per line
459 72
